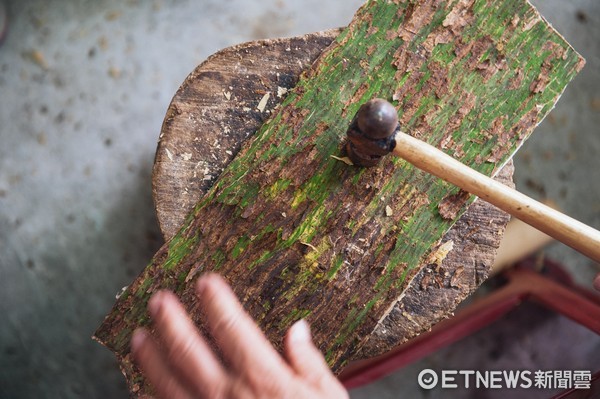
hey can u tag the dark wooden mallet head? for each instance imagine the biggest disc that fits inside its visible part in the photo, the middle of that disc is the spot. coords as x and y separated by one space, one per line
371 132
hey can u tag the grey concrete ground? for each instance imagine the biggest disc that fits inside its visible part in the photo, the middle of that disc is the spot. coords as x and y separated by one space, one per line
84 86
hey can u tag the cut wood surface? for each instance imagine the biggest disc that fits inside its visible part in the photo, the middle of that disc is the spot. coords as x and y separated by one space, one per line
215 110
301 234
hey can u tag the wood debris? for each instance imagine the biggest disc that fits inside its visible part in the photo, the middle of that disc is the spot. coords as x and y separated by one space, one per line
263 102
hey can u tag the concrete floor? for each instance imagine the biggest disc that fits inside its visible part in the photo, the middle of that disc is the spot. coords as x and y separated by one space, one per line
84 86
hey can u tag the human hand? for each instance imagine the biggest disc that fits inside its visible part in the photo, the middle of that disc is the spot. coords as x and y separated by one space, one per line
184 366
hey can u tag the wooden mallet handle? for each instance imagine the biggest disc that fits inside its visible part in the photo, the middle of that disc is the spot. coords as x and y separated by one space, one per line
569 231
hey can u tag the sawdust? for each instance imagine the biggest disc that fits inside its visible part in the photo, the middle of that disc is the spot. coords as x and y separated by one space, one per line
440 253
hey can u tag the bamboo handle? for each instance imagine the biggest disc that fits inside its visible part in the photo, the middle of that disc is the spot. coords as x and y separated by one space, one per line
571 232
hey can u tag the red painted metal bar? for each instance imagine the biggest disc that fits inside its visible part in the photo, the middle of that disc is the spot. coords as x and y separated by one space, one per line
563 300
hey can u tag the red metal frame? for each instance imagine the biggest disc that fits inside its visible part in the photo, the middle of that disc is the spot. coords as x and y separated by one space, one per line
554 289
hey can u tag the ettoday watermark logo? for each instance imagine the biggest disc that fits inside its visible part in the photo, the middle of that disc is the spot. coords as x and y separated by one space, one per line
428 379
512 379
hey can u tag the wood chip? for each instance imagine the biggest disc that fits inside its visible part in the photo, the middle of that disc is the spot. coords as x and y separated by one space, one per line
440 253
263 102
281 91
450 206
454 281
345 160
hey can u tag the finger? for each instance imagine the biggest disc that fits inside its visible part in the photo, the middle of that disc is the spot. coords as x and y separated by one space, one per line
308 362
187 352
241 341
597 282
300 352
148 357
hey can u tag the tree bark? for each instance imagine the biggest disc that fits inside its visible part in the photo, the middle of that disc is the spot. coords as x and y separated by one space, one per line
188 161
299 233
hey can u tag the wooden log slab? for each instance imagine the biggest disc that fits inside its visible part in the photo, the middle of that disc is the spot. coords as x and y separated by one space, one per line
301 234
215 110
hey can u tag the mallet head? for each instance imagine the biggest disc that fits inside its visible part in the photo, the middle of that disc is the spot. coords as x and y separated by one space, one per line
371 133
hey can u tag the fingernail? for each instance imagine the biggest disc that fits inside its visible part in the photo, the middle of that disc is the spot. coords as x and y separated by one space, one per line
300 331
138 339
204 281
200 285
155 303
